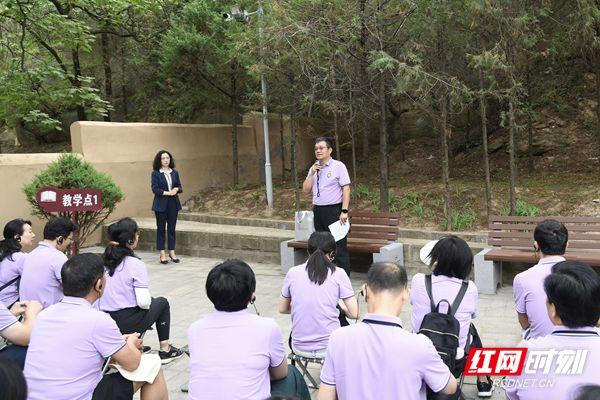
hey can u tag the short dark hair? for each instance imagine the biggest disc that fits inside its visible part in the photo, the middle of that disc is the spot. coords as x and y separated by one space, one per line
551 236
574 290
80 273
386 276
588 392
12 382
156 164
325 139
451 256
59 227
229 285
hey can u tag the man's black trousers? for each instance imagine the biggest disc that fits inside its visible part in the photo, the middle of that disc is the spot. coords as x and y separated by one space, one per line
325 216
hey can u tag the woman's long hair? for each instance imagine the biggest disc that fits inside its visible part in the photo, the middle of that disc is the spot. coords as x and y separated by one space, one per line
319 245
12 238
120 234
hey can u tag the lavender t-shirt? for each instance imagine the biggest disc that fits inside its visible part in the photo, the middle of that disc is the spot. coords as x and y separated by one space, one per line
564 385
230 356
10 268
69 343
131 273
6 318
327 187
443 287
40 279
314 312
530 297
372 361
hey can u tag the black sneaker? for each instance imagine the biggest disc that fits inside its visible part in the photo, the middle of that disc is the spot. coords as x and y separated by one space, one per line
485 389
167 356
146 349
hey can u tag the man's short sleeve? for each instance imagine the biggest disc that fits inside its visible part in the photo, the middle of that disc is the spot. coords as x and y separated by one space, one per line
344 177
107 338
6 317
435 373
285 290
520 295
345 286
139 274
276 349
57 266
328 370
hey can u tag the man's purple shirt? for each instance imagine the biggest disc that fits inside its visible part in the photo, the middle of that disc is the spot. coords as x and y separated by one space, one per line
328 183
40 279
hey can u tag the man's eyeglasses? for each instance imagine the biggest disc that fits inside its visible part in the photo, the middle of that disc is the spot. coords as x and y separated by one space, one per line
317 148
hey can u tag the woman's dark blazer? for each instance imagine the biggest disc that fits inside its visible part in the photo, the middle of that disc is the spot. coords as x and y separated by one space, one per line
159 185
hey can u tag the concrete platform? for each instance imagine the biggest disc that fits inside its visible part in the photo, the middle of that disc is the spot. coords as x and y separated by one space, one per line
183 284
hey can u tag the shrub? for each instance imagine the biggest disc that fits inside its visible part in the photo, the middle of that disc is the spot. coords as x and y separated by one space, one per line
460 219
523 209
71 172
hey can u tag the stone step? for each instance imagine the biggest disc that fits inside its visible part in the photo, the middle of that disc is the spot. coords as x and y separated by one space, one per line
237 221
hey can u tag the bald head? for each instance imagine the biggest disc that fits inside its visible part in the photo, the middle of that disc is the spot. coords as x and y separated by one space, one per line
386 276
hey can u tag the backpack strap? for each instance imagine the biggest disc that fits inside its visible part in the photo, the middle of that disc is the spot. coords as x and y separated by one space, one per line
429 293
9 283
459 297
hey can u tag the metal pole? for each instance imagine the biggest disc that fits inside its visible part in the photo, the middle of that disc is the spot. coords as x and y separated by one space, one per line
263 84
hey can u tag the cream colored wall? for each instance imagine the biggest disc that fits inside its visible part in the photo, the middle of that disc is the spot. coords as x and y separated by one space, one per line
125 152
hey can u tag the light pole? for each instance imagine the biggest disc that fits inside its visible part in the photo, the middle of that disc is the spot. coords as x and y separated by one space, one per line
244 16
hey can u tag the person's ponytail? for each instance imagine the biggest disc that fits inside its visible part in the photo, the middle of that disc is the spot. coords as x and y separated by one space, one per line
318 265
120 233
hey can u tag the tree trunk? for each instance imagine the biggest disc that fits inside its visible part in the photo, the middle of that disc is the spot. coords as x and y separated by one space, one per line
336 135
353 145
365 144
597 71
362 4
123 84
108 94
530 160
511 155
484 138
293 160
282 140
446 161
234 127
77 72
383 162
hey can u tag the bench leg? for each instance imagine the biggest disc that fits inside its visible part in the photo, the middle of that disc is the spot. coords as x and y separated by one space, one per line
393 252
290 256
488 274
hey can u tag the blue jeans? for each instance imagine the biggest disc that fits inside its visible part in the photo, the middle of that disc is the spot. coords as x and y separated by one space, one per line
15 353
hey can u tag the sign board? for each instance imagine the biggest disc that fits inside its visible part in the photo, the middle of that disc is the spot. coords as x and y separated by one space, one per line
69 200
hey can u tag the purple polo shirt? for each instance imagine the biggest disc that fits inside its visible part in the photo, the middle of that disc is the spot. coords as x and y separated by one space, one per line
6 318
372 361
314 312
443 287
40 279
69 343
10 268
230 356
332 178
530 297
564 384
119 293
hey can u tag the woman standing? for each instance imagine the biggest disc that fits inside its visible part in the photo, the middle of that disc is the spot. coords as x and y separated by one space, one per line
17 233
166 187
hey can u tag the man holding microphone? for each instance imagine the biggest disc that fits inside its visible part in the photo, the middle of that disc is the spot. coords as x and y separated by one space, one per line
329 182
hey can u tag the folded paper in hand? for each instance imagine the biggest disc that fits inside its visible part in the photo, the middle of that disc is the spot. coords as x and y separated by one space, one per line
146 372
338 230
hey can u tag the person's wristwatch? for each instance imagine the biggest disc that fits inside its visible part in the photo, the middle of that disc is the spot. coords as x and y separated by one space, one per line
345 210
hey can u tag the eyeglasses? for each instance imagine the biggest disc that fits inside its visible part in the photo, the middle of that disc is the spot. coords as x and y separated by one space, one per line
317 148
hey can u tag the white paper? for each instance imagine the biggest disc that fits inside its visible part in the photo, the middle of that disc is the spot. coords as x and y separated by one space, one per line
146 372
338 230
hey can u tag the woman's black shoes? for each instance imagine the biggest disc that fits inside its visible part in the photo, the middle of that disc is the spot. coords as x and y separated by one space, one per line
175 260
164 261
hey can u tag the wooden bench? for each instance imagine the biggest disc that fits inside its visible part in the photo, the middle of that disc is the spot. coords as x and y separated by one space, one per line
511 240
370 232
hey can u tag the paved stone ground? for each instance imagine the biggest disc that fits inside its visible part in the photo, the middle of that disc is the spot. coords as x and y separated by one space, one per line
183 285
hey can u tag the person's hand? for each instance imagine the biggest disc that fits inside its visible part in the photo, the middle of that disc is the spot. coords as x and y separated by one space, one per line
18 308
316 167
32 308
133 339
174 191
343 218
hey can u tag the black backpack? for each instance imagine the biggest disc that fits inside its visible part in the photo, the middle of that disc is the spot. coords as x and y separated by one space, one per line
443 328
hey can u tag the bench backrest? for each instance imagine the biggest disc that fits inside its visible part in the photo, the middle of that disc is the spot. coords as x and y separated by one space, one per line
517 232
373 227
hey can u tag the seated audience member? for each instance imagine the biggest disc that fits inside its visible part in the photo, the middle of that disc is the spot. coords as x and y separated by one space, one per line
71 340
588 392
17 233
235 355
451 260
15 332
573 305
377 358
12 381
126 296
40 279
313 290
550 242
